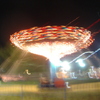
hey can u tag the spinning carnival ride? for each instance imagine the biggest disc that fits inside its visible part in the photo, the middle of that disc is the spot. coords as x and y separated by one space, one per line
52 42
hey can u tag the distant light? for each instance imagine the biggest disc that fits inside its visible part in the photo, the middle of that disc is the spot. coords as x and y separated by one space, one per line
55 62
81 63
65 65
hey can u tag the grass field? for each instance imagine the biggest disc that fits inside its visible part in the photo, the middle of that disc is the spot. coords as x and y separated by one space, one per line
29 90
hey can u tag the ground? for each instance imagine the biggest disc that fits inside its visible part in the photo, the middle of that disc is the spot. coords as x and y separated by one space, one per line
30 90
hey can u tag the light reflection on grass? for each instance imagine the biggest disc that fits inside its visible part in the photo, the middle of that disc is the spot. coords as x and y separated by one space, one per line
84 91
18 88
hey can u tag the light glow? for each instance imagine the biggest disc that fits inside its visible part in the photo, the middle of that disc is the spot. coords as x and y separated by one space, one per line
52 41
55 62
81 63
65 65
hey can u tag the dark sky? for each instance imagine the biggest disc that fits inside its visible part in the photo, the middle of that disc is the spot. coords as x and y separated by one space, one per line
16 15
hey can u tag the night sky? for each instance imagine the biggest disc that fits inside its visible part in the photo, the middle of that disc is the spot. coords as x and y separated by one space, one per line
16 15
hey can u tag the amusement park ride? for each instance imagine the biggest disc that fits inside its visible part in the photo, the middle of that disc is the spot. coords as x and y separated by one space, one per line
54 42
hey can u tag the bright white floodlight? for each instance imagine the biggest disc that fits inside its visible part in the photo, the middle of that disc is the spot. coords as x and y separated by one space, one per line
56 62
81 63
65 65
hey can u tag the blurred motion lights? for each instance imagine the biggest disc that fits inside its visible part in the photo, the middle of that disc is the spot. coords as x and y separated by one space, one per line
81 63
65 65
53 42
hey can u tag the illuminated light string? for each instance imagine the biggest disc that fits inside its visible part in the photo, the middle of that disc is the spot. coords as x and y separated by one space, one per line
91 54
92 73
80 56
